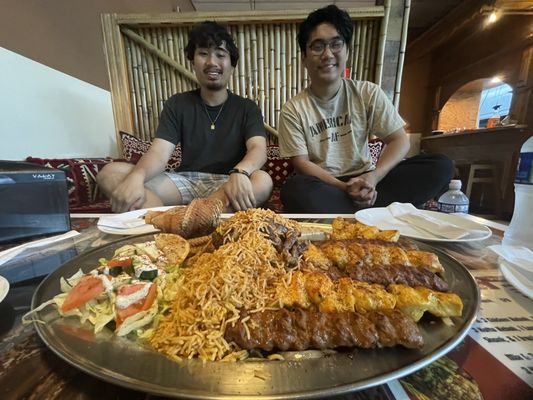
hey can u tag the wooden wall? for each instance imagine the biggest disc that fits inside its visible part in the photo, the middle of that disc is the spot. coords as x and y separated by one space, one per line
462 48
146 62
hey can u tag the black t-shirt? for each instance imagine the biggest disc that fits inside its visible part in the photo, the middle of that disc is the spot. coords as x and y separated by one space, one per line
184 120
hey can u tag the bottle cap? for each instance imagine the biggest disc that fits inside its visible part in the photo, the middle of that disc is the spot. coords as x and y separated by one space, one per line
455 184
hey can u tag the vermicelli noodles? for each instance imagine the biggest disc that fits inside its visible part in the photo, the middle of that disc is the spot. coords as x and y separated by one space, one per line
210 294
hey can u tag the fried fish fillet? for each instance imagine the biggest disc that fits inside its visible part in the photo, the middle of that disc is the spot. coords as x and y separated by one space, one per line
343 229
199 218
150 215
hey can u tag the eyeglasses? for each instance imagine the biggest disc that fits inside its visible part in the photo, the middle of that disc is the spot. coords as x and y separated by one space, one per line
318 47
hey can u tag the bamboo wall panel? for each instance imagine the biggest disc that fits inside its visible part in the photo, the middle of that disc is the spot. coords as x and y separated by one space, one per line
269 70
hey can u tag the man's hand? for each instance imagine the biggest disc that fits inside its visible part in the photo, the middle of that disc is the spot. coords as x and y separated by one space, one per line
129 195
238 190
362 189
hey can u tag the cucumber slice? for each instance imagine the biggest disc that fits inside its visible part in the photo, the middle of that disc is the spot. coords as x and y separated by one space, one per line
148 275
115 271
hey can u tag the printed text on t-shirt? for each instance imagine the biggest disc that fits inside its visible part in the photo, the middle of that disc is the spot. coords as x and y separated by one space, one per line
331 122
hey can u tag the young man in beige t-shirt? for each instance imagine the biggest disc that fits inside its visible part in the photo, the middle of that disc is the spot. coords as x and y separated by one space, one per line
325 131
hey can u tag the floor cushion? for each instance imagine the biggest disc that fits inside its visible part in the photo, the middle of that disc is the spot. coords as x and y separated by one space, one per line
80 174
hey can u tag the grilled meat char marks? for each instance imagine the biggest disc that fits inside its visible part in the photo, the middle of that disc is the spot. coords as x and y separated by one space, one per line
391 274
373 263
308 329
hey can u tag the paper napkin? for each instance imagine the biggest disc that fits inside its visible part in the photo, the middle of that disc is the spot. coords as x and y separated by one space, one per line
120 222
518 255
423 221
9 254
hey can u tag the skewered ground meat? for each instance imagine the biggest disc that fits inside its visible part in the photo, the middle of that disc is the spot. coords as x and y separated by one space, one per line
390 274
306 329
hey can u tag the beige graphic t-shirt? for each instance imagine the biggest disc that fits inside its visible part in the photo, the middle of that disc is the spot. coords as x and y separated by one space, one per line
334 134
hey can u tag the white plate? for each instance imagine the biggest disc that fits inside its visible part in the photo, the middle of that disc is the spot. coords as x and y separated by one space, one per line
4 288
136 215
131 216
382 218
520 278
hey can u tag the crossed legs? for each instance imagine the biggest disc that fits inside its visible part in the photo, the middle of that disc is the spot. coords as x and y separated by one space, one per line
414 180
159 191
162 191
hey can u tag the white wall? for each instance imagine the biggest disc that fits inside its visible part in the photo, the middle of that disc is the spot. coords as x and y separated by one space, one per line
46 113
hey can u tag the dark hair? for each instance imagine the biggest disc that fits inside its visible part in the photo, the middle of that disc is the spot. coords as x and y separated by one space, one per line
209 34
340 19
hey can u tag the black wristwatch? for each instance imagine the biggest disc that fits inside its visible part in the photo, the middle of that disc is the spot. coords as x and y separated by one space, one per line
238 171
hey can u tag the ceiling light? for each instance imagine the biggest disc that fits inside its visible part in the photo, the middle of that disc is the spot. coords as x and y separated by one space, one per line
496 79
492 17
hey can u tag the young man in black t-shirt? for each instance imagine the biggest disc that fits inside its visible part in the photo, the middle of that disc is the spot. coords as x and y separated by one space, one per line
222 139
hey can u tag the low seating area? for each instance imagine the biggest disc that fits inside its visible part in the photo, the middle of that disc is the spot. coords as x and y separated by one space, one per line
85 196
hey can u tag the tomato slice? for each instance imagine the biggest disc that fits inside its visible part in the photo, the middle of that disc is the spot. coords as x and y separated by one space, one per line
88 288
142 305
116 262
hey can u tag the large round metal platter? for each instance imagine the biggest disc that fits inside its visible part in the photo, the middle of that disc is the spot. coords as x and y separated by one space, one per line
303 375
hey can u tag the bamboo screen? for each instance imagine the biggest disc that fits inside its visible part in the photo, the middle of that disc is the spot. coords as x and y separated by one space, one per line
147 63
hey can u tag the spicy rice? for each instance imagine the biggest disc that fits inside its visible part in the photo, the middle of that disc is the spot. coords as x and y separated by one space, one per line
240 274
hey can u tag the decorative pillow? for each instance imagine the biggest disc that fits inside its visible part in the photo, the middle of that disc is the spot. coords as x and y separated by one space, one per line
80 175
277 167
133 148
274 202
281 168
100 207
376 147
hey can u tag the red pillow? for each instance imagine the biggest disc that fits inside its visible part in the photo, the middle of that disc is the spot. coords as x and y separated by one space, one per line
277 167
133 148
376 147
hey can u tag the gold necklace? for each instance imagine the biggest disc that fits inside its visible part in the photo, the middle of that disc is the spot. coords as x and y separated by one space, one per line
213 121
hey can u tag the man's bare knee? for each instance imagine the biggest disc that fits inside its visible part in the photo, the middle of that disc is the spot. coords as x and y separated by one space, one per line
262 186
112 174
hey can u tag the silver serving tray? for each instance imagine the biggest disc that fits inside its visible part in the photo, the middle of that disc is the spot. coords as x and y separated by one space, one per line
126 363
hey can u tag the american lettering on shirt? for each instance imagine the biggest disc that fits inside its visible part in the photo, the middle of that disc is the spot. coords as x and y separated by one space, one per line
327 123
335 136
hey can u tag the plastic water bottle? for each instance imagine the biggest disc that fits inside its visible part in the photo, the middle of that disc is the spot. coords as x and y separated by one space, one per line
453 201
520 230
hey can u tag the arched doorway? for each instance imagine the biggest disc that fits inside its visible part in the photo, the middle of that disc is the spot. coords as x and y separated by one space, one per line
474 104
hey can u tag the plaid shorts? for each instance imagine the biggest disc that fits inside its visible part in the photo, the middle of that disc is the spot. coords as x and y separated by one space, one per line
192 184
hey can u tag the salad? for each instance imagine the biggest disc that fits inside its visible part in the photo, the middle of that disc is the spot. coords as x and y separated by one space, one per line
126 292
